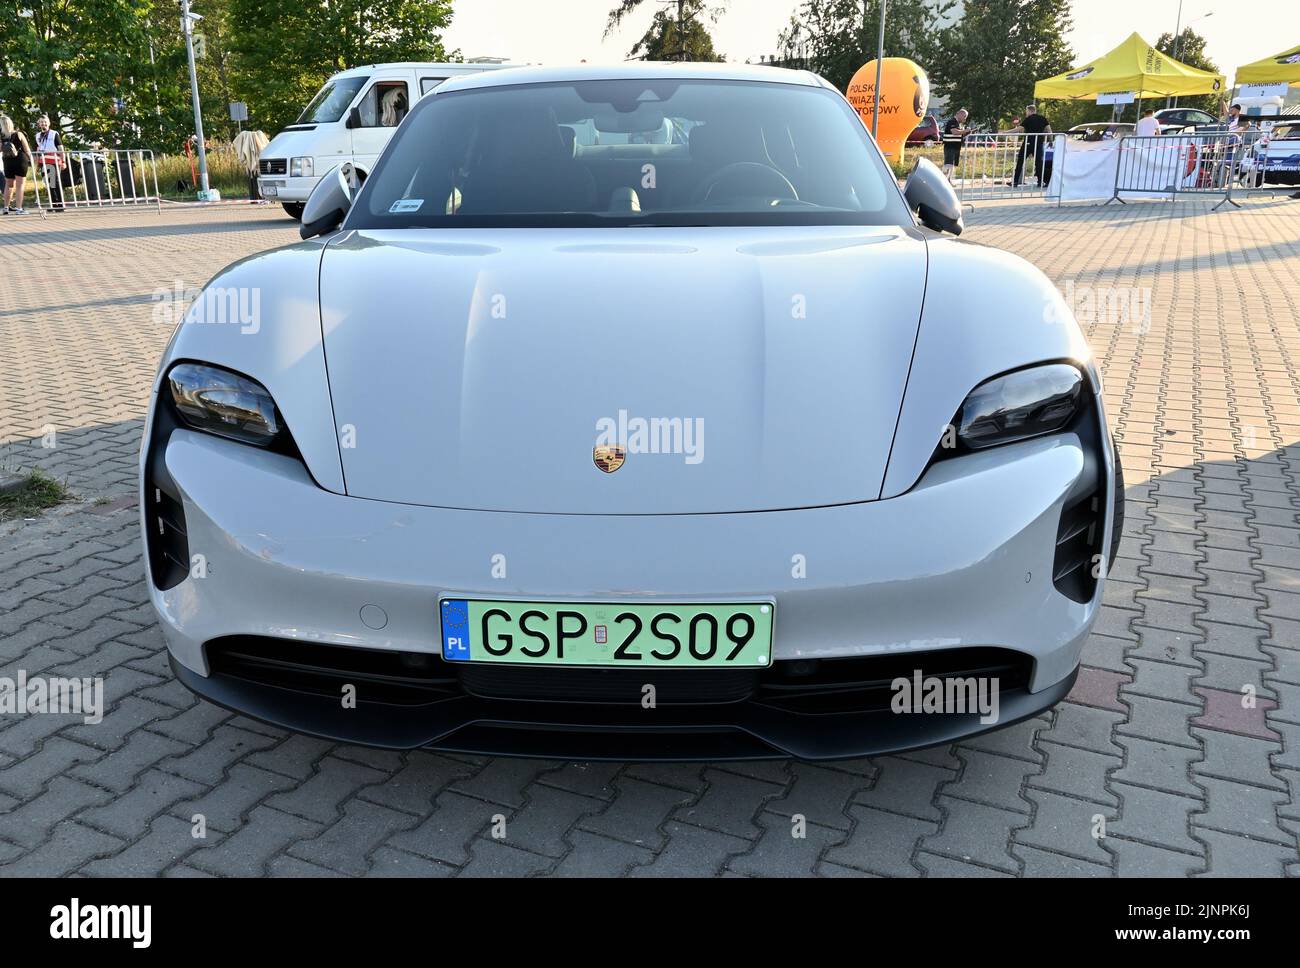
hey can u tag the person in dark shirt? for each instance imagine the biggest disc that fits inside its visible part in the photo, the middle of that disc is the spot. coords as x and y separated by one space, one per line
1036 129
954 130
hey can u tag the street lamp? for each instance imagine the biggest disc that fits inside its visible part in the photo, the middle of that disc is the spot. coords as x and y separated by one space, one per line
1178 33
188 20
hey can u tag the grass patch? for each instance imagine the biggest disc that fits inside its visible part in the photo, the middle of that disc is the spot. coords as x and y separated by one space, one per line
37 492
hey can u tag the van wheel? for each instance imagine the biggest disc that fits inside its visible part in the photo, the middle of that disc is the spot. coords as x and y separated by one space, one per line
294 209
1117 526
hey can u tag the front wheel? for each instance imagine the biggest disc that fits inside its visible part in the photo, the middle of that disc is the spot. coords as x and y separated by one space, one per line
294 209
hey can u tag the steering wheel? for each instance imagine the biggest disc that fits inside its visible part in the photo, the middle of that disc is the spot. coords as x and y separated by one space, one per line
743 179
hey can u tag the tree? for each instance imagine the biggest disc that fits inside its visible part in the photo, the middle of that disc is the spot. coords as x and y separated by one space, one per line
992 58
1191 51
676 31
56 59
833 38
277 63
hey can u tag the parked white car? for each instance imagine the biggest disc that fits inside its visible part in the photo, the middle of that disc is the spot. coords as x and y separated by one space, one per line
351 119
491 519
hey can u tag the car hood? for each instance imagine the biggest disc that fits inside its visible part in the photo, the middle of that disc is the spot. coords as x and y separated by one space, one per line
291 144
480 368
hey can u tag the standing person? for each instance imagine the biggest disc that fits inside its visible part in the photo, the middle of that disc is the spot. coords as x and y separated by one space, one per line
1035 127
1234 118
14 150
1147 126
954 131
49 143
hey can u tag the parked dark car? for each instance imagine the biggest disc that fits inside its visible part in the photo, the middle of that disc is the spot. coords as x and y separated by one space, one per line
1184 118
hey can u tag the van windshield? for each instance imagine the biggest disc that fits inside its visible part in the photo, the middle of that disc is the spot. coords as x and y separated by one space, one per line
331 100
657 151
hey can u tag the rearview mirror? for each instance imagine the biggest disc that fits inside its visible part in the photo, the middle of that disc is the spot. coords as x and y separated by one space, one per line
354 118
933 198
329 201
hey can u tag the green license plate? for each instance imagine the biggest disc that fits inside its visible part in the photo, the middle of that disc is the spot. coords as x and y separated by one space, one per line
732 635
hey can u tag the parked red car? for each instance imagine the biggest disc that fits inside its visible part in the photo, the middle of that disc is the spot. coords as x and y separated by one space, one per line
926 133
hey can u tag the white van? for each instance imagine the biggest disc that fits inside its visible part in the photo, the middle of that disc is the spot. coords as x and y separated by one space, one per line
351 118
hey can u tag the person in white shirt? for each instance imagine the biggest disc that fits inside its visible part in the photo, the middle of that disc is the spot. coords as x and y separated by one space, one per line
1147 126
49 145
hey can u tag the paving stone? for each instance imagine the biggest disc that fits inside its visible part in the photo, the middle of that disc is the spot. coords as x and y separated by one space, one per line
819 794
906 786
1242 809
991 780
638 812
1233 856
249 850
728 804
227 805
779 853
881 843
1077 772
691 851
1155 817
1065 825
445 834
345 845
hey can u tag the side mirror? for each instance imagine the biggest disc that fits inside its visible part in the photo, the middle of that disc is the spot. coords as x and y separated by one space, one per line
329 202
354 118
933 198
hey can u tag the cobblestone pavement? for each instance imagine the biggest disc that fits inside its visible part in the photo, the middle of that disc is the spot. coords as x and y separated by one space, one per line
1154 741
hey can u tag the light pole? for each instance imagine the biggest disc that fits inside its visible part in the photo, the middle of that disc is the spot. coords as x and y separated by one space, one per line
880 56
1178 34
187 24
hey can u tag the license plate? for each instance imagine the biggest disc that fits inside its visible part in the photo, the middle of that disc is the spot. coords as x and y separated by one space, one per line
270 191
730 635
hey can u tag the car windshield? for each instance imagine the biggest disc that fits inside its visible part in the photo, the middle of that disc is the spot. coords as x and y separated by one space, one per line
331 100
631 152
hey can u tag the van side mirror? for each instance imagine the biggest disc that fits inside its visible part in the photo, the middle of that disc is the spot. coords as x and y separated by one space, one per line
354 118
933 198
329 202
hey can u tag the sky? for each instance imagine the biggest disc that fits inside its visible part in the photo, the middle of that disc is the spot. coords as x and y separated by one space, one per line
567 31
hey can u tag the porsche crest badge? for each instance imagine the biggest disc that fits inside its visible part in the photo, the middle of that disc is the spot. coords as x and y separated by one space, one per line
609 458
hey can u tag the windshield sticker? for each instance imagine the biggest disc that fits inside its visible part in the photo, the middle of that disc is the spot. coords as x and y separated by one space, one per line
406 205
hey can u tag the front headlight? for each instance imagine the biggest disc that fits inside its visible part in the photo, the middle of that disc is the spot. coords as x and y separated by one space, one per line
301 167
220 402
1020 405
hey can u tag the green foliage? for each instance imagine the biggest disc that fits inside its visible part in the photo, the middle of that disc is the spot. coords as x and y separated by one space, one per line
832 37
1191 51
666 39
87 64
280 61
993 56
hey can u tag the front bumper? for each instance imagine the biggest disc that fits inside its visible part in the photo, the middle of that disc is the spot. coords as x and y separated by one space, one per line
964 560
282 188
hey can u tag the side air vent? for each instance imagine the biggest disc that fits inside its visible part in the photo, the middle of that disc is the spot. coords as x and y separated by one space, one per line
169 548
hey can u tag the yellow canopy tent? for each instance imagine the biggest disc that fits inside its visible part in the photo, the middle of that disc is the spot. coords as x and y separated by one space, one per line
1132 66
1272 70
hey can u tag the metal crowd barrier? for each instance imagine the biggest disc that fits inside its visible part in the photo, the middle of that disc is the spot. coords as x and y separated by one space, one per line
1203 163
94 178
1171 165
1007 165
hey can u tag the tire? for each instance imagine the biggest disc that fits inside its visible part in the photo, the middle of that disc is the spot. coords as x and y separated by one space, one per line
1117 499
294 209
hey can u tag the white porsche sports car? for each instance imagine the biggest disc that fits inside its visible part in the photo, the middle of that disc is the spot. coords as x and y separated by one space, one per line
630 412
